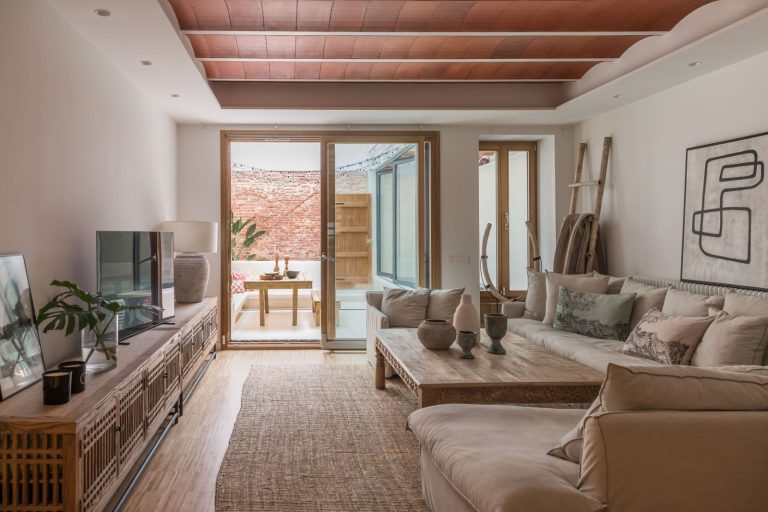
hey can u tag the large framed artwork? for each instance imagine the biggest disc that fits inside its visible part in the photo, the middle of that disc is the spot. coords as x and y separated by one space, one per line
21 358
725 221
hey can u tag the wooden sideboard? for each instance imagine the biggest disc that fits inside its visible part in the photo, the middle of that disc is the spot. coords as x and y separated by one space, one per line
75 457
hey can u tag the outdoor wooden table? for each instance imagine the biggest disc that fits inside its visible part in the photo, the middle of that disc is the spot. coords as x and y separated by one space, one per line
526 374
283 284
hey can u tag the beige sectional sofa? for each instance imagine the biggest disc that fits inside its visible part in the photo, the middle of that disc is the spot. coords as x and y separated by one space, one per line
597 353
480 458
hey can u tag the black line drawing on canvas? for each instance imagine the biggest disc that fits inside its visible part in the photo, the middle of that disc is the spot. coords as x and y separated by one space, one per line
710 221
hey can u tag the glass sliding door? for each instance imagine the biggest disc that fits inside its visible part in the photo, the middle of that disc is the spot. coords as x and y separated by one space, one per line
375 236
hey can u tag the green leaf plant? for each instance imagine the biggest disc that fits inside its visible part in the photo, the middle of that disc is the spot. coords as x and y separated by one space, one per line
75 309
249 237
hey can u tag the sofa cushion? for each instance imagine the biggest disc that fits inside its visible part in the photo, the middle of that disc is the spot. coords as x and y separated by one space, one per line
405 308
679 302
495 456
597 315
682 388
648 297
733 340
536 297
442 304
577 283
591 352
668 339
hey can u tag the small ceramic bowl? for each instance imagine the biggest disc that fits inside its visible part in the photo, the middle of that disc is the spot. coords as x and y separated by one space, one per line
291 274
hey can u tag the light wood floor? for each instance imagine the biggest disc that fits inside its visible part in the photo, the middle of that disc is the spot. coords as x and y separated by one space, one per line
182 476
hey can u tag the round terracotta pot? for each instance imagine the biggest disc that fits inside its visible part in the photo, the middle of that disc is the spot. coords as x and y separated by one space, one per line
436 334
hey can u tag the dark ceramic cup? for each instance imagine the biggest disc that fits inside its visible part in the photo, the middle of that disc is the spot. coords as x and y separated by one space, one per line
57 387
78 374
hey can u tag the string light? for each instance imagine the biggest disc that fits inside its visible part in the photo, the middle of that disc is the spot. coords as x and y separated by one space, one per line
361 165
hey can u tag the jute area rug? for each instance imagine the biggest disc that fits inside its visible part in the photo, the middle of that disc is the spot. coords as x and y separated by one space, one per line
320 438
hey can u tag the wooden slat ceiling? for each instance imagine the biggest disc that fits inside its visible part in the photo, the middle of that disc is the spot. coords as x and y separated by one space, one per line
417 40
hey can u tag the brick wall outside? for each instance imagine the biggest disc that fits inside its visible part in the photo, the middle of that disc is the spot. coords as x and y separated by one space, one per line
286 204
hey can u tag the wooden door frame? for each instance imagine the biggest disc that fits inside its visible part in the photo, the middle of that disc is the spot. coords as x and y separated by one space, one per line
430 270
502 149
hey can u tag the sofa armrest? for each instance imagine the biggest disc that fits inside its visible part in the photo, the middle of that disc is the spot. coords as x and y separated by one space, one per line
513 309
374 320
669 461
374 298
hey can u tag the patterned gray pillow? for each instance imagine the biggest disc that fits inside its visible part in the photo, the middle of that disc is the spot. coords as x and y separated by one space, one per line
668 339
597 315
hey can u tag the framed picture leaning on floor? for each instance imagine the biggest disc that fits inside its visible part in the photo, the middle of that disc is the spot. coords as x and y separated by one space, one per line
21 356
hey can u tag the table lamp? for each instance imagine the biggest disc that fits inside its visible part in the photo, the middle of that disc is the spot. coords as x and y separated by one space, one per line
190 268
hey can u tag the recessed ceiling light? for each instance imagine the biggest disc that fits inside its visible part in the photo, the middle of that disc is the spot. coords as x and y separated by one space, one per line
617 96
146 62
695 64
103 12
174 95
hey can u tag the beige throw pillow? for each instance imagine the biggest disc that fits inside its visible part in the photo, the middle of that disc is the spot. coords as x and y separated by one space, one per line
575 283
647 298
405 308
683 388
678 302
668 339
733 340
571 443
745 305
442 304
614 283
536 297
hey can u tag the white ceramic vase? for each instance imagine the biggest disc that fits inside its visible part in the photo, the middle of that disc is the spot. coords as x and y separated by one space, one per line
466 317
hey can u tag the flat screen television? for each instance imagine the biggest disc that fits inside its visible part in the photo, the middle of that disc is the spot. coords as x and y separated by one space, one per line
136 267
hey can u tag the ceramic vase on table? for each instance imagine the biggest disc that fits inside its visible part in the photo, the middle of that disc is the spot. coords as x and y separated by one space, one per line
496 328
466 317
436 334
467 340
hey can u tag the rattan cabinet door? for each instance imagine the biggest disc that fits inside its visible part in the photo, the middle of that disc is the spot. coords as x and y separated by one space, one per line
156 386
131 427
173 374
187 351
99 455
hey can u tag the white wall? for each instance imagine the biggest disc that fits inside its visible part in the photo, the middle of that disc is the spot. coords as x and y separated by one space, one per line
199 187
643 206
81 149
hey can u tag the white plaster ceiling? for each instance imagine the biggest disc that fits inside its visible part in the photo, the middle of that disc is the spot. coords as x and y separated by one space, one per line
718 34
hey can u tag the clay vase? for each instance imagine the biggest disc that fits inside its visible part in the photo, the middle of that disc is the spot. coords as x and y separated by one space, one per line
466 317
467 340
436 334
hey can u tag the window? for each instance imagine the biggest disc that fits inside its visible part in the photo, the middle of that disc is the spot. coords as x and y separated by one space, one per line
397 220
507 179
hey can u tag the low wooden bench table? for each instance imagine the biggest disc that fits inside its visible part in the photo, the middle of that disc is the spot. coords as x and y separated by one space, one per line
283 284
527 374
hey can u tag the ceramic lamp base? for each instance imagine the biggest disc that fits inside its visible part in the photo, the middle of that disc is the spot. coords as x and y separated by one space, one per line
190 271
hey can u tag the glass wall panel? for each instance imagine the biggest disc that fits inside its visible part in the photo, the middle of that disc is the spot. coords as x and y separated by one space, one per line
518 215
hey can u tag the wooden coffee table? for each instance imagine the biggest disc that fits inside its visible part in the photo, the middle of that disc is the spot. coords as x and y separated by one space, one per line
282 284
527 374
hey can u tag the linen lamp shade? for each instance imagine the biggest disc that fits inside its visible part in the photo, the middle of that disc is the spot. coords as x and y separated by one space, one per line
190 268
193 236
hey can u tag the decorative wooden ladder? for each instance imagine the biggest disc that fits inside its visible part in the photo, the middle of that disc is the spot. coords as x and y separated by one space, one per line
600 184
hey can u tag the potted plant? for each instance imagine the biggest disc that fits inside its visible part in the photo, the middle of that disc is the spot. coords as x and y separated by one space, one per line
249 237
95 317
